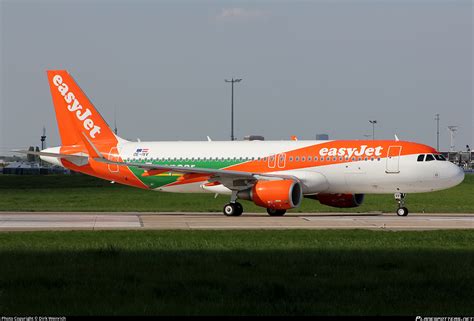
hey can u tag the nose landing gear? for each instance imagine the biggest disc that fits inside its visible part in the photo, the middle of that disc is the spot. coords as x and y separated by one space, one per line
400 198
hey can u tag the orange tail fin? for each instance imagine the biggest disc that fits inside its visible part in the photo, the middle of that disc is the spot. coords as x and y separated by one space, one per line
75 114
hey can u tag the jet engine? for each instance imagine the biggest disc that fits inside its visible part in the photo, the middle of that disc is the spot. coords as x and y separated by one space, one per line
278 194
339 200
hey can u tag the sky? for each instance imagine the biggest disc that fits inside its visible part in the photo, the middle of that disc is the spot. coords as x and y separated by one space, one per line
308 67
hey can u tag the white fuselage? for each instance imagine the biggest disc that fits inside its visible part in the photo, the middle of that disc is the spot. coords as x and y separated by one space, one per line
375 175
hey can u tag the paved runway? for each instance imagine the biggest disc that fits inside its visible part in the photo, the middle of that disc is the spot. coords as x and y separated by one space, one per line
21 221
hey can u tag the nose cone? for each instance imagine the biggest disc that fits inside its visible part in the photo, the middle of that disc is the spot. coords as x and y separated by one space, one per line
455 175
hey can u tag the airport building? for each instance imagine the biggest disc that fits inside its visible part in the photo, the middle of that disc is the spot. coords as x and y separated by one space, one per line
462 159
32 168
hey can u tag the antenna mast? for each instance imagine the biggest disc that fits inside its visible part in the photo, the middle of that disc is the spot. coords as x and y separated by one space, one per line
43 139
115 121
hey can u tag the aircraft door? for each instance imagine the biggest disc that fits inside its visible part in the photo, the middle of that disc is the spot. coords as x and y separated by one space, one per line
393 159
281 160
272 161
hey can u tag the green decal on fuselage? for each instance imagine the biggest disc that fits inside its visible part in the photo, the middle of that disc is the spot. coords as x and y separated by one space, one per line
160 180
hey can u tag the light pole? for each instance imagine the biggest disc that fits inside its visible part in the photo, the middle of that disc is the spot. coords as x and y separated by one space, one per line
232 107
373 122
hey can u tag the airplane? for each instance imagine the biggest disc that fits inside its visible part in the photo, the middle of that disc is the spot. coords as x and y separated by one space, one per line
276 175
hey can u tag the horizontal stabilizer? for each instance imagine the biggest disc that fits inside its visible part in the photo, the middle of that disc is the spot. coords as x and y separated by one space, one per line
79 160
30 152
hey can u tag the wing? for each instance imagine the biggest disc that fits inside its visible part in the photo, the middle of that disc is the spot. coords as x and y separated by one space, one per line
234 180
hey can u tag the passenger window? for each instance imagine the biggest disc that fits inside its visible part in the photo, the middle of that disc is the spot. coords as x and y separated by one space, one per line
429 157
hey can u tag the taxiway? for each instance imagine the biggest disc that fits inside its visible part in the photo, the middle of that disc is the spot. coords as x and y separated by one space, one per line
27 221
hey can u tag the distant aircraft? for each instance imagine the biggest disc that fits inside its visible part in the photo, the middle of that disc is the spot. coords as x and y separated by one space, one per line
273 174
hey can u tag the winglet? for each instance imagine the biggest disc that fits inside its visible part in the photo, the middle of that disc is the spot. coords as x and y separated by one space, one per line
93 151
396 138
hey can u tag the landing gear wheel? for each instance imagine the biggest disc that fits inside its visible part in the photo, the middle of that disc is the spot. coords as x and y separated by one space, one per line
400 198
240 208
233 209
275 212
402 211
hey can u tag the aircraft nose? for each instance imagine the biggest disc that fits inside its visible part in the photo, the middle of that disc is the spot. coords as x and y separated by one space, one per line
456 174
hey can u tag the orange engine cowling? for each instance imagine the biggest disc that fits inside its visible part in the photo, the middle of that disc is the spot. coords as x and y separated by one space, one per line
340 200
281 194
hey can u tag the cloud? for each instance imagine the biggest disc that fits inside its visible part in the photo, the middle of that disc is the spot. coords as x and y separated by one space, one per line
241 14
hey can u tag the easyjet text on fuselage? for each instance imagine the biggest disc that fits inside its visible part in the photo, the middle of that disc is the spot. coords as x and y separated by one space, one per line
364 150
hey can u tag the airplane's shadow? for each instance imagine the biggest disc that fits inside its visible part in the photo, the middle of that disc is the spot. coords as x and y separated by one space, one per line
260 215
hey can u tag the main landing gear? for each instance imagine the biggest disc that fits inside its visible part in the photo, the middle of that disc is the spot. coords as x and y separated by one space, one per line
234 208
400 198
275 212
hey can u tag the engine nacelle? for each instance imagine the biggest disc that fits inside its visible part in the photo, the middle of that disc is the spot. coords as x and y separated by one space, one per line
281 194
340 200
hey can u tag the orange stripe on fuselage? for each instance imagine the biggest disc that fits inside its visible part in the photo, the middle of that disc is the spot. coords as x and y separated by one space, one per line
343 149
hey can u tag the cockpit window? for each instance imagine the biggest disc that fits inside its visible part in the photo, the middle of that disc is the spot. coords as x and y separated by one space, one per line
421 158
439 157
429 157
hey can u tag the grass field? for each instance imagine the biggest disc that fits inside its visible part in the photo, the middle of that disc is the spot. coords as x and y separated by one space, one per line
84 193
237 273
